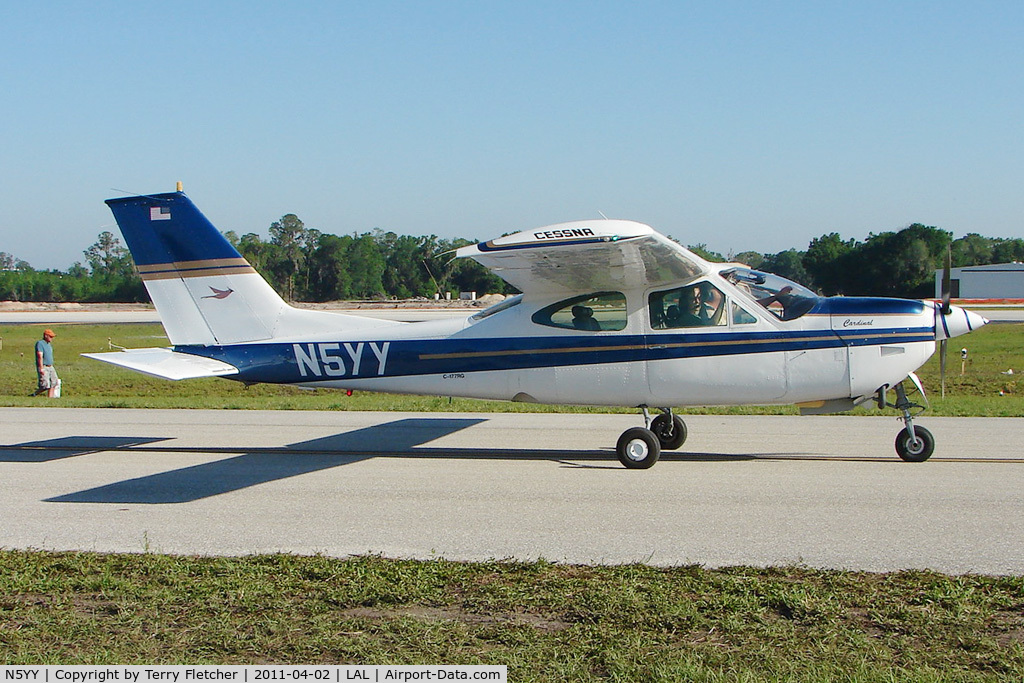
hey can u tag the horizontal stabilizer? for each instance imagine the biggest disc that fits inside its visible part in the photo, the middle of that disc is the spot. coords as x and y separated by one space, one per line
165 363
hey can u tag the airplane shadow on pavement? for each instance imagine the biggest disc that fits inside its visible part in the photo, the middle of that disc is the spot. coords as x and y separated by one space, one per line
259 466
401 438
69 447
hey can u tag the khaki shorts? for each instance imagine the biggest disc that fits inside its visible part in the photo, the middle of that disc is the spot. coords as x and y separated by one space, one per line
48 377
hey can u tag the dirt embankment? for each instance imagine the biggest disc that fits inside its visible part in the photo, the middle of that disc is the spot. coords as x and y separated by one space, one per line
28 306
482 302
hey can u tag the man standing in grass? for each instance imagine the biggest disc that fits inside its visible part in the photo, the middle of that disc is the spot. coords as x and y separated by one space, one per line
48 380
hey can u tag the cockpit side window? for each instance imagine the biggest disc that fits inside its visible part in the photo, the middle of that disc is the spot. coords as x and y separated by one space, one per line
695 305
596 312
741 316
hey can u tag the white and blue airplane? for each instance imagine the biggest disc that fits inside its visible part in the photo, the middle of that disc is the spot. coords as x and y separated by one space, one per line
611 313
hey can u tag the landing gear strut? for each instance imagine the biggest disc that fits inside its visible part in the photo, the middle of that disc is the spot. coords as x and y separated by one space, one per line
913 443
640 447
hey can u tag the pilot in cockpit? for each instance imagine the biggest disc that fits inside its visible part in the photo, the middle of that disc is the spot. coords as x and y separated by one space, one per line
691 306
711 304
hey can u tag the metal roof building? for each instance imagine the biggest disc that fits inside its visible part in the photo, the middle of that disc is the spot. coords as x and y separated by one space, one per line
996 281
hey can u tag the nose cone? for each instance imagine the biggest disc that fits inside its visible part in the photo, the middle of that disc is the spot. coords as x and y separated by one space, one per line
958 321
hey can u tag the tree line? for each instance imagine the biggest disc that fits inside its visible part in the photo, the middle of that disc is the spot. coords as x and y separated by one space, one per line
899 264
305 264
302 264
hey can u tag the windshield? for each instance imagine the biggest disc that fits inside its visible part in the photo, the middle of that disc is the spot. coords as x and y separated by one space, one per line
786 300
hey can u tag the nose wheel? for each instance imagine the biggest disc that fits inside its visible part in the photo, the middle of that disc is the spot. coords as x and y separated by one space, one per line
916 446
913 443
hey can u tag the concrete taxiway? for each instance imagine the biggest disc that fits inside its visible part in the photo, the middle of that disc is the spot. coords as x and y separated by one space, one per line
822 491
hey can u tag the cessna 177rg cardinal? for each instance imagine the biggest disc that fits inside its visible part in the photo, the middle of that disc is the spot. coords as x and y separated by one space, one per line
611 313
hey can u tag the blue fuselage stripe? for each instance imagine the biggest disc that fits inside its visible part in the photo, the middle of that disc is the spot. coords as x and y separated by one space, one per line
317 361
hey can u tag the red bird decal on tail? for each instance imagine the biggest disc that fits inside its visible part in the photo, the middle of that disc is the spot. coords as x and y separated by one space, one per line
219 293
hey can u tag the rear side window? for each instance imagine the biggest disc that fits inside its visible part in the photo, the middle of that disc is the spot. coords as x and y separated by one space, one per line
598 312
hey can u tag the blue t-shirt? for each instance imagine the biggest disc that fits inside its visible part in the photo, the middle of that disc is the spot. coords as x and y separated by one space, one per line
47 350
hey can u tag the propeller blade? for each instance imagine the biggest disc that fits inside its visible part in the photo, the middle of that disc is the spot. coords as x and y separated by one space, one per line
942 364
946 276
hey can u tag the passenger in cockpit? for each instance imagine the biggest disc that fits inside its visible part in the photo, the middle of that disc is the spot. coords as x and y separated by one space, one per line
583 319
779 302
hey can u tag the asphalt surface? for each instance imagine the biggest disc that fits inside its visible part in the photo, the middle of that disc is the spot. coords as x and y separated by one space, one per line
744 490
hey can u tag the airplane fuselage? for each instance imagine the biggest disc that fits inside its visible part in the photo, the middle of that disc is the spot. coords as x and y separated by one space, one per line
612 313
842 348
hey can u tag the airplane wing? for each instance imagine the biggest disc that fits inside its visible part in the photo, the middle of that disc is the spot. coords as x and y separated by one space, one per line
166 363
586 256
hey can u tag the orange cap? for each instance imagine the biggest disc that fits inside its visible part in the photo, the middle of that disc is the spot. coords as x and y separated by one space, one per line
49 332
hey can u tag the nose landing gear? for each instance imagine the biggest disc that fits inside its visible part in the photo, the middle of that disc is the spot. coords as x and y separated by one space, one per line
913 443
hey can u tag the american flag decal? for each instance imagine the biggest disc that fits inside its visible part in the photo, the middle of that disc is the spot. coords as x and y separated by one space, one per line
160 213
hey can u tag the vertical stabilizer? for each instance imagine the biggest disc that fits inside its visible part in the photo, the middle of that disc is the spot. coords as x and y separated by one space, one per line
203 289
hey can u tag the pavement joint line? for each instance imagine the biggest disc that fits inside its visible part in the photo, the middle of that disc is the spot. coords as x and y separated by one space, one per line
679 456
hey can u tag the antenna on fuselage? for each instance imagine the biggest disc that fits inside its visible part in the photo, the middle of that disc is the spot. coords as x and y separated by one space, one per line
602 215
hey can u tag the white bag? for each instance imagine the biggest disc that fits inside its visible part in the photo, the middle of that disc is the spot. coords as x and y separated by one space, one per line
56 390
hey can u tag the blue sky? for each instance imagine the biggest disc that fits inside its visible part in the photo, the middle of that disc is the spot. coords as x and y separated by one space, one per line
742 125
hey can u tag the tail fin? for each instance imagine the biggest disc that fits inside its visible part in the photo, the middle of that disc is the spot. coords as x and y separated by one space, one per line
204 290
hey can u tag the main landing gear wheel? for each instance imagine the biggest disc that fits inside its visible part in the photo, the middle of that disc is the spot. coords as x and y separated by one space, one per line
670 430
915 450
638 448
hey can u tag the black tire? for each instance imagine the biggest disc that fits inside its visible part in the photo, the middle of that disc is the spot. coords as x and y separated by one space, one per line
910 451
670 432
638 448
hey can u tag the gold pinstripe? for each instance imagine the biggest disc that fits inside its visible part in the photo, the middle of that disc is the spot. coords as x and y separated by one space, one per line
652 344
199 268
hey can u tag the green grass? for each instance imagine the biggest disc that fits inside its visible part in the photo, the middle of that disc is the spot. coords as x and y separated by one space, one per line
91 384
547 622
